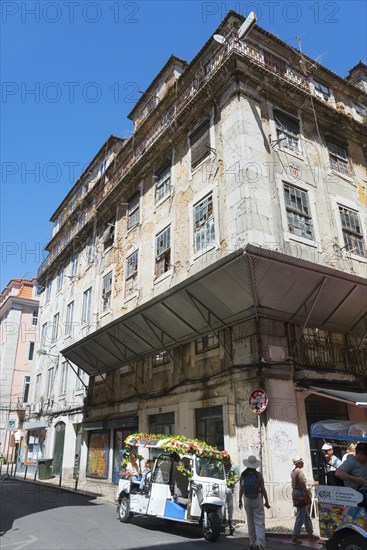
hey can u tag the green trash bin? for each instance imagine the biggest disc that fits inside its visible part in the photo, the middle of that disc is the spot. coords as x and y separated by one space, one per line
45 468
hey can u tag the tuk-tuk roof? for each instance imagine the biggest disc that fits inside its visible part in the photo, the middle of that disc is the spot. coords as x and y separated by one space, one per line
345 430
175 444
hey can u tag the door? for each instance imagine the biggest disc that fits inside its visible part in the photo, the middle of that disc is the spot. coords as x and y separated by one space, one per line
58 448
118 445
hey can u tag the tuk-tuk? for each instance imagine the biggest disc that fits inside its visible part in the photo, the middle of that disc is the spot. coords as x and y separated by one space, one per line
342 522
191 490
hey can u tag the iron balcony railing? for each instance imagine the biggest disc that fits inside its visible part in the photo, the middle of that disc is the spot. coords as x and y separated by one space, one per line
144 138
330 357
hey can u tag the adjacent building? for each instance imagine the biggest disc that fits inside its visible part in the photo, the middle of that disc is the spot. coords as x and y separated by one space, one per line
18 322
220 249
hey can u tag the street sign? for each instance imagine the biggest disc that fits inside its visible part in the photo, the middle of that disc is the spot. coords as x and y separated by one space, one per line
258 401
11 425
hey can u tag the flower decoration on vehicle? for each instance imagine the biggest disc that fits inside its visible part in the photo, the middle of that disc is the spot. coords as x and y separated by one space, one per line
173 444
185 471
231 479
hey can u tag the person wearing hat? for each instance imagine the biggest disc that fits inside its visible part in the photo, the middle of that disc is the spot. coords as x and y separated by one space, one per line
299 488
331 463
254 497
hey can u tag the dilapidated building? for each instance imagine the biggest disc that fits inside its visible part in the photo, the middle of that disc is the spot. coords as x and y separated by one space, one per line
229 253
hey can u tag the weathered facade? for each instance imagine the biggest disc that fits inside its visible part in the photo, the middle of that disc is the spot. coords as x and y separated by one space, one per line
18 322
230 245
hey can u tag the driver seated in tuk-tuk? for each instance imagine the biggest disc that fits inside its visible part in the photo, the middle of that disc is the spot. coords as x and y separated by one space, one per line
353 471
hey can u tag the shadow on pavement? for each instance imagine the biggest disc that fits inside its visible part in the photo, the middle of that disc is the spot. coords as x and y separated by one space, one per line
19 497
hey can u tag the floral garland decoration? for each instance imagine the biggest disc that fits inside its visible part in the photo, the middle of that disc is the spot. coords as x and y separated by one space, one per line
174 444
231 479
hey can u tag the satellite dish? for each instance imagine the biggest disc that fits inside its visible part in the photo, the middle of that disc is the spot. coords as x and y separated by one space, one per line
219 38
247 25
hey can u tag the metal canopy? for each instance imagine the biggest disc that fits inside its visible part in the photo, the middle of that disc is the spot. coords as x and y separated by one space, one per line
251 282
355 398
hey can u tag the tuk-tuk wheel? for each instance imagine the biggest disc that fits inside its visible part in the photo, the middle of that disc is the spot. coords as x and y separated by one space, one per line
212 531
353 542
123 510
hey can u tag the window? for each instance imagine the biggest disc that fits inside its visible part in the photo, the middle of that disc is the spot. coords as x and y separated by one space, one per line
74 265
322 91
200 143
106 291
163 183
338 158
79 383
163 423
298 212
27 383
90 252
69 319
30 351
64 377
209 426
161 358
43 335
274 63
50 381
287 130
48 291
108 236
204 230
133 211
132 265
37 387
87 296
206 343
352 231
60 279
102 167
35 316
163 252
131 272
55 328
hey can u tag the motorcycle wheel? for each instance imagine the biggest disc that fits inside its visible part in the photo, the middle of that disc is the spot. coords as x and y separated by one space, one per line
123 510
212 531
353 542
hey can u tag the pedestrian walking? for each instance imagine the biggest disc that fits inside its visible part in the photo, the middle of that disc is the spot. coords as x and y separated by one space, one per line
301 500
232 476
254 497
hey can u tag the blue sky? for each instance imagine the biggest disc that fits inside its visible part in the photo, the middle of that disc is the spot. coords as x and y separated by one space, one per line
85 62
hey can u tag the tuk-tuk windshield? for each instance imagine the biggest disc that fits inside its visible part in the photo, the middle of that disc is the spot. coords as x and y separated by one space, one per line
209 467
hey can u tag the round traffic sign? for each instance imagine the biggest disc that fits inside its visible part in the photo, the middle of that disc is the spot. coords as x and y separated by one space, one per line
258 401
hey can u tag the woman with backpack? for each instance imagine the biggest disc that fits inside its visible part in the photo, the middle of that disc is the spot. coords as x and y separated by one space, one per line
254 497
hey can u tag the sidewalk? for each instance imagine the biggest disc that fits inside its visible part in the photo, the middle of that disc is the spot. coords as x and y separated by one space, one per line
278 527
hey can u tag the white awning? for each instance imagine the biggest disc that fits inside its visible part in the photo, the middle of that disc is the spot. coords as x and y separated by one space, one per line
248 283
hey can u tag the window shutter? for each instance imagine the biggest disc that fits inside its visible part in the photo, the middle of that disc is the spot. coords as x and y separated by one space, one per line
200 144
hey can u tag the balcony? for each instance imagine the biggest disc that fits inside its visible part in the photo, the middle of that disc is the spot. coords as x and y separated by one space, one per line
330 357
147 135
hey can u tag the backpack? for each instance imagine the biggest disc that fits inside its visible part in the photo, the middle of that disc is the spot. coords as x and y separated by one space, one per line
250 484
